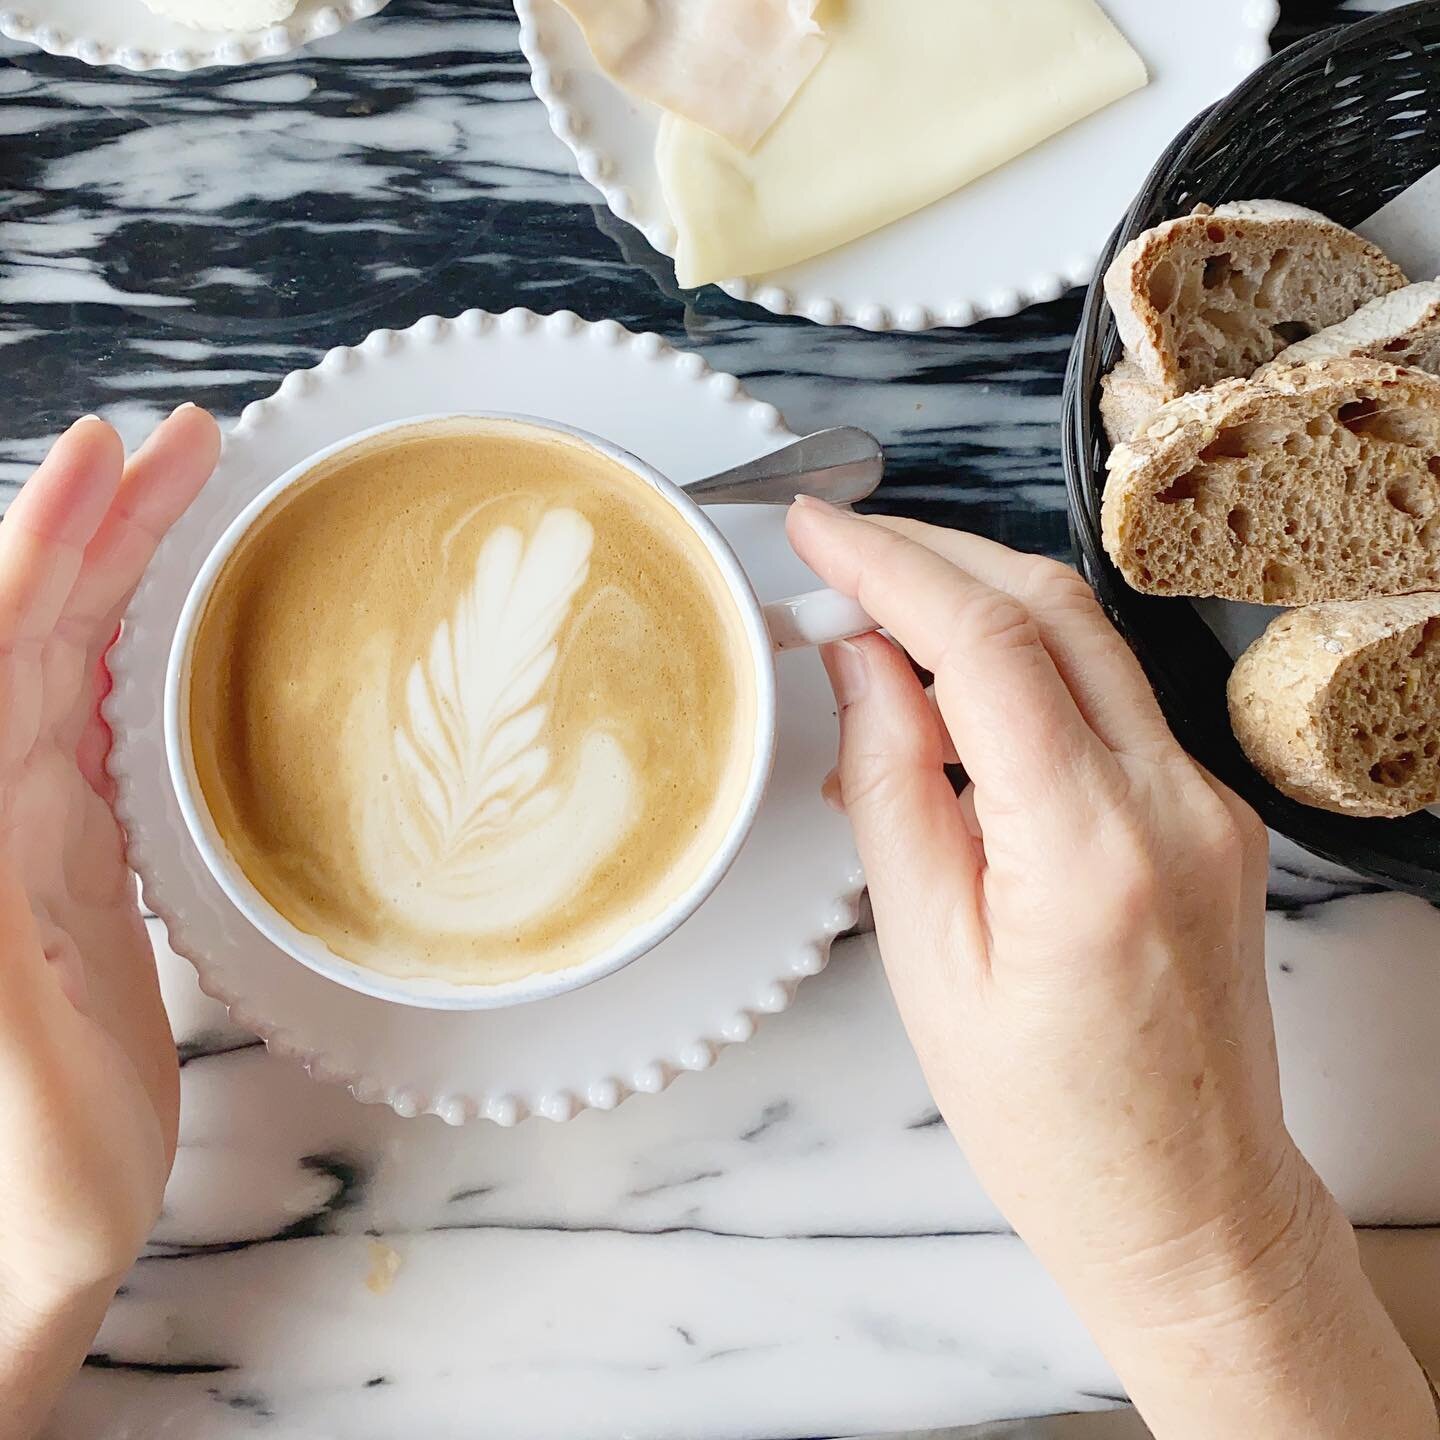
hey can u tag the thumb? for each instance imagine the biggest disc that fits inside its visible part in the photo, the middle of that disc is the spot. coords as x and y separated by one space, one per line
921 861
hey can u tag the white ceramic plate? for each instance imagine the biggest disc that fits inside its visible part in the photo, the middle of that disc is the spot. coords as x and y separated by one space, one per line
128 34
1026 233
770 923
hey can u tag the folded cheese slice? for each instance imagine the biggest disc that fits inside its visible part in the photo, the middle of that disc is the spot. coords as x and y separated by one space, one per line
729 66
913 99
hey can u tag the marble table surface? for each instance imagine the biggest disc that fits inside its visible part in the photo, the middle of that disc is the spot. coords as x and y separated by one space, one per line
790 1244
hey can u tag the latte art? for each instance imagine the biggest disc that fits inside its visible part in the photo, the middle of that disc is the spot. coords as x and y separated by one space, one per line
480 818
471 702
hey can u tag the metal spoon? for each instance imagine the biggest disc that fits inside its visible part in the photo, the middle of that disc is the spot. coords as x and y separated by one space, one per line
841 466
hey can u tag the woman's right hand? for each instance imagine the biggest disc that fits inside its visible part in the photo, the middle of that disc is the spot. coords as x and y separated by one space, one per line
1076 946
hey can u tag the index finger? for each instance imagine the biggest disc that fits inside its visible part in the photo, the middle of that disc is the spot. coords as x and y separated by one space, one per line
48 525
160 481
1099 668
1019 732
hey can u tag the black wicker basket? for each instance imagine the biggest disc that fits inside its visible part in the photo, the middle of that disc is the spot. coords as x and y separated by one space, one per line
1342 123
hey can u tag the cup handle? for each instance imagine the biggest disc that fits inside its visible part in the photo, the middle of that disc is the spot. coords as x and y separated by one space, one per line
819 618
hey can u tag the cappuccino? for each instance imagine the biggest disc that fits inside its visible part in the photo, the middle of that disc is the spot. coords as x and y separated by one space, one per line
471 701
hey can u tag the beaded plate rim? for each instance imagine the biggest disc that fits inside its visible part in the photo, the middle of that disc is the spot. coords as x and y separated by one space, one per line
598 166
309 23
732 1020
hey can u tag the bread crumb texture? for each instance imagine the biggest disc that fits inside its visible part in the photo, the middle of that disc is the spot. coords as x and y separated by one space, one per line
1218 293
1338 705
1318 482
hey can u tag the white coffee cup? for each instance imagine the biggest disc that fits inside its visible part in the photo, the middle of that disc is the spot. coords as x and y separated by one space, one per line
800 621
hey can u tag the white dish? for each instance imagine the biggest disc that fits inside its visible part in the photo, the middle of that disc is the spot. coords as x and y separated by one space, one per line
128 34
770 923
1026 233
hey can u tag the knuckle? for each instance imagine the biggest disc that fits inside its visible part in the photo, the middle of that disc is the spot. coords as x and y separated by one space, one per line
1061 587
1218 839
1226 834
1254 838
1132 875
986 619
1126 852
868 782
1062 592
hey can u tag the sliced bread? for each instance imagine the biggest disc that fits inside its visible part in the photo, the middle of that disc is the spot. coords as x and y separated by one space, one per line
1402 327
1339 705
1219 293
1320 482
1127 401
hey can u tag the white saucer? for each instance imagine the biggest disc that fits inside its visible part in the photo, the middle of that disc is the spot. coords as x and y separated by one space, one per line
795 886
1024 234
127 33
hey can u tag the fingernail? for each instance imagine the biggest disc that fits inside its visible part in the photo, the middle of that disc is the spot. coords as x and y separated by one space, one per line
180 409
849 672
814 502
84 418
830 792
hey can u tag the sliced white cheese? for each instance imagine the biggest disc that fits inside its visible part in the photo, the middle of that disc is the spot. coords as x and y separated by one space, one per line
913 99
730 66
236 15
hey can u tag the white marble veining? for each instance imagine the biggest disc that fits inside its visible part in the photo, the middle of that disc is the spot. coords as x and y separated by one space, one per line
789 1244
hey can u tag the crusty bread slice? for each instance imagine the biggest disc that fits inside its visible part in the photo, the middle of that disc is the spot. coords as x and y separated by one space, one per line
1339 705
1219 293
1127 401
1402 327
1320 482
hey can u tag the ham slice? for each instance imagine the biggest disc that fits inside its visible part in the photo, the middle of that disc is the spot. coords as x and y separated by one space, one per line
729 66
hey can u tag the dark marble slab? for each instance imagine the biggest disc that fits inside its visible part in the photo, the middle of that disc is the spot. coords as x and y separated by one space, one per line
170 238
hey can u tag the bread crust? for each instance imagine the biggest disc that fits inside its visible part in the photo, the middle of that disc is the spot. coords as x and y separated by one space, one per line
1180 352
1301 708
1401 328
1127 401
1317 482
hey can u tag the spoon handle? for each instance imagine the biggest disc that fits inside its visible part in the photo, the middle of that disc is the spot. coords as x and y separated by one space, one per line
841 466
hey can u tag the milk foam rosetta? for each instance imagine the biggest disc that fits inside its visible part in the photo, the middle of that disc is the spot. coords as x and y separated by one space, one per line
471 702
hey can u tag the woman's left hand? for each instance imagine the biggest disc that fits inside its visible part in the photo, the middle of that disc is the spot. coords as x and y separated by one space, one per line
87 1061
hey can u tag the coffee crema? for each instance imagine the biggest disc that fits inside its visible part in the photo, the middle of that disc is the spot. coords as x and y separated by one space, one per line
471 701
